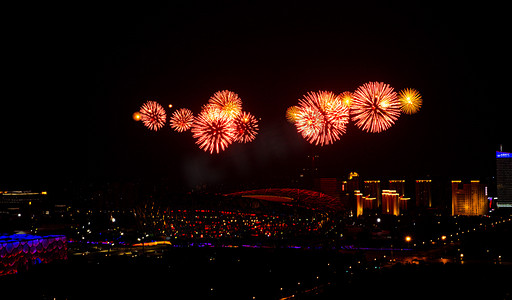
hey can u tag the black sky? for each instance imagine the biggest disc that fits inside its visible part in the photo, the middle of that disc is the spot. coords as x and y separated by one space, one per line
76 73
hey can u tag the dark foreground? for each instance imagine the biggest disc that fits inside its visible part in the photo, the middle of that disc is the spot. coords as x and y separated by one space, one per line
222 273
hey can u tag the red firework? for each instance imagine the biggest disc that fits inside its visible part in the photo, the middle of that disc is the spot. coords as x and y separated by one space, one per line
152 115
213 130
182 119
227 102
322 118
246 127
375 107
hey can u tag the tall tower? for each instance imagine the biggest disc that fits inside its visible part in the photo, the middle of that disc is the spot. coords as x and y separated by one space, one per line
390 202
504 179
469 199
423 193
372 191
398 186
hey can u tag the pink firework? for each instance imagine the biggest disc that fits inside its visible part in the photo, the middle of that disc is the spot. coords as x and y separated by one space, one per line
322 118
153 115
246 127
213 130
375 107
182 119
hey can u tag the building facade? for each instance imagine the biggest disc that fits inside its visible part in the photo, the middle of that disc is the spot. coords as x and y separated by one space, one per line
504 179
424 193
390 199
469 199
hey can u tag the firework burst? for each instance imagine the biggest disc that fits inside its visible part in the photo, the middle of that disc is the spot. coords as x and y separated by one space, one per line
152 115
213 130
227 102
291 114
246 127
182 120
410 100
375 107
322 118
346 98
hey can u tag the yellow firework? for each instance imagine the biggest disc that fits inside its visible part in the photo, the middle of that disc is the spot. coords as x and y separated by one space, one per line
410 100
346 98
291 114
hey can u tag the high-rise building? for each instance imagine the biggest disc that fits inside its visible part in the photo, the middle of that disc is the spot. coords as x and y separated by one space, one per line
504 179
329 186
390 202
403 204
398 186
348 191
372 190
359 201
423 193
469 199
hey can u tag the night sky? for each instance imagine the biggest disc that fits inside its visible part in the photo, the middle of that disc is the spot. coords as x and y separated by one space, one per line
77 73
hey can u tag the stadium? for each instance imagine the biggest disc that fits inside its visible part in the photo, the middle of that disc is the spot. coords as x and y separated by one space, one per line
255 216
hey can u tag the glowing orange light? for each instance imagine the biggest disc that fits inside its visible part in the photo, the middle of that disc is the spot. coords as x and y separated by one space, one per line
408 238
136 116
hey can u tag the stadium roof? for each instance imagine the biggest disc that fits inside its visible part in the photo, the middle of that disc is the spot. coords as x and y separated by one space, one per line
299 197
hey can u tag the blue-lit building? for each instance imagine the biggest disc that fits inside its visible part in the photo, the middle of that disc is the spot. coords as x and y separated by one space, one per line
504 179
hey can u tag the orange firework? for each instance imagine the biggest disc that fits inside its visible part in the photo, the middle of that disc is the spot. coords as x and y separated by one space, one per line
322 118
213 130
246 127
410 100
226 102
152 115
375 107
181 120
291 114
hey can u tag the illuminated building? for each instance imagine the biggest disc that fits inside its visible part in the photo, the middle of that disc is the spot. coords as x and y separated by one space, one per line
390 202
353 182
504 179
398 186
469 199
359 202
15 202
372 190
348 191
403 204
18 251
423 193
